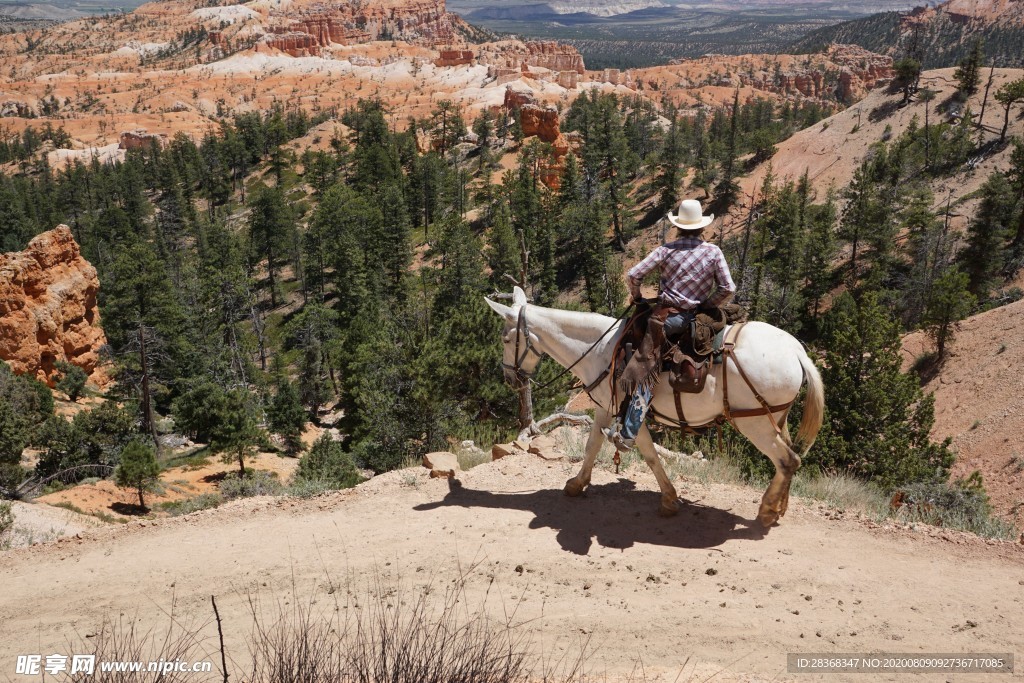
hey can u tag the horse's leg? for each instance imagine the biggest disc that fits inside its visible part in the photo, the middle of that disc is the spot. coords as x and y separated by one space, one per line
784 505
763 435
669 498
579 483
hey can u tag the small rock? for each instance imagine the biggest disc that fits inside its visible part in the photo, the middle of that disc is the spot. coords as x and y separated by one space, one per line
441 464
711 571
546 448
807 598
500 450
519 569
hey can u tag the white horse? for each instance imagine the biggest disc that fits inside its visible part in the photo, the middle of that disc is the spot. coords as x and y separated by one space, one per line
773 361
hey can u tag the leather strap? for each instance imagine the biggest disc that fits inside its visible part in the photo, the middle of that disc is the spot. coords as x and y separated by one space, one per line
679 407
767 410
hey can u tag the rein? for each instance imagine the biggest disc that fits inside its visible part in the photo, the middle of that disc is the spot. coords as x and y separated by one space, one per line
522 328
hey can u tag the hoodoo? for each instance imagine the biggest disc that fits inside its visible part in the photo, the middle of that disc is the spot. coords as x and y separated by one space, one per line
48 307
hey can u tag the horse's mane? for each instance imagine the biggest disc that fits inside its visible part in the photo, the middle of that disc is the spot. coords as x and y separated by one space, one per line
577 324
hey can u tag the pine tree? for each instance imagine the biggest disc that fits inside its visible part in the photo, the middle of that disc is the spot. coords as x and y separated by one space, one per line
270 229
138 470
968 70
908 72
819 257
235 435
877 418
949 302
669 167
1008 95
287 416
447 125
725 191
985 254
503 248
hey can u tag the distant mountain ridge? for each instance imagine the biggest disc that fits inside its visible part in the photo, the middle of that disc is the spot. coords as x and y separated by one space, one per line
943 33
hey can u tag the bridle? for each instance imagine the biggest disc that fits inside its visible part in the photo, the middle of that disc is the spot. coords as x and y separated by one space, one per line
523 332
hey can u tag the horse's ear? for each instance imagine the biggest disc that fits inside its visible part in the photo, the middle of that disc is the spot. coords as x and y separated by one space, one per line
518 296
501 309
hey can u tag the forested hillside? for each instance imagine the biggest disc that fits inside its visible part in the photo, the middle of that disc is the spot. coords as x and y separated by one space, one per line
936 39
251 284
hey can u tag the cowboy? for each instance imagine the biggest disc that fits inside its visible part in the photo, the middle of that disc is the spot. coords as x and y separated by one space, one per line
693 274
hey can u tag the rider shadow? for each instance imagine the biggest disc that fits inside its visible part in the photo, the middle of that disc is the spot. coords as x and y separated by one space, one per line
614 515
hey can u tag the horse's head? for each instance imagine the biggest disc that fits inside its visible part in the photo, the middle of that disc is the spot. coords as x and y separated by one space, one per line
521 356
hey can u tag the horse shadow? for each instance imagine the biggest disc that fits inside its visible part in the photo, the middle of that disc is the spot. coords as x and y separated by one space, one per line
614 515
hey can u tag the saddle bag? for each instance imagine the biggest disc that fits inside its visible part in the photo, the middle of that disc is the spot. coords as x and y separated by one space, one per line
687 375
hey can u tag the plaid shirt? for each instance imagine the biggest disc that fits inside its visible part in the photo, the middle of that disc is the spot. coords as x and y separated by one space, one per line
690 270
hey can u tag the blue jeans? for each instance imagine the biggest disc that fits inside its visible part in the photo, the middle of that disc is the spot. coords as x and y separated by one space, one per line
641 401
636 412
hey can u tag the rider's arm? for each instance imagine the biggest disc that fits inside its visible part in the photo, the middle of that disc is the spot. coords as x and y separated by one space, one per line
638 272
723 280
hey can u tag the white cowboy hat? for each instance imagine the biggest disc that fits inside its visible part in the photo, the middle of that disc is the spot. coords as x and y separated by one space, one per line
690 217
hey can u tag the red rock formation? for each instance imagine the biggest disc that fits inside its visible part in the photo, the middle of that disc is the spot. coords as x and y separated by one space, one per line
515 99
455 58
543 123
139 139
554 56
423 22
539 121
294 43
48 308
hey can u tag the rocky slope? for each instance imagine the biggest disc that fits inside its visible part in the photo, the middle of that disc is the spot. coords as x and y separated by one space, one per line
841 75
831 150
48 308
979 401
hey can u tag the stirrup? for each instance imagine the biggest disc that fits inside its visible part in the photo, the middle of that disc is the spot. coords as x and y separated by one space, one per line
622 444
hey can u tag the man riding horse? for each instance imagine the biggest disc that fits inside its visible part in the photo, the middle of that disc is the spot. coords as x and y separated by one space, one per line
694 274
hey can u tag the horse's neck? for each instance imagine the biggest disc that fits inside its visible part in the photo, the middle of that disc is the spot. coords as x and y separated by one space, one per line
567 335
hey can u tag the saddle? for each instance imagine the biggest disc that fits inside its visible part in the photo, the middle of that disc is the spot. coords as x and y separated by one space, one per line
644 352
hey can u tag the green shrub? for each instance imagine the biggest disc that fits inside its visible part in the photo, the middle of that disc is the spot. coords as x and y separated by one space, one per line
309 488
205 501
138 469
72 380
252 483
960 505
327 462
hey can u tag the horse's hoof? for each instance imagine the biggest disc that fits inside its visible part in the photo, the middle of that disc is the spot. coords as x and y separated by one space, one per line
668 510
767 517
573 488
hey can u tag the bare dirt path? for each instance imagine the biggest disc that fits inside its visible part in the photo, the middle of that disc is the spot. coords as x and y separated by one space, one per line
706 592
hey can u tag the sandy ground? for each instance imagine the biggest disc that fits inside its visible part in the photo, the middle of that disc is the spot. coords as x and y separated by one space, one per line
178 483
705 594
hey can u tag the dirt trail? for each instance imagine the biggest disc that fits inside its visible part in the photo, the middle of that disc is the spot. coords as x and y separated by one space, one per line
708 587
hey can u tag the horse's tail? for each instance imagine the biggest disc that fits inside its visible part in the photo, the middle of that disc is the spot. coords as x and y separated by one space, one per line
814 404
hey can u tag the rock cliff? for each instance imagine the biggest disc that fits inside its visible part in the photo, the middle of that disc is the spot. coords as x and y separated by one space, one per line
48 308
